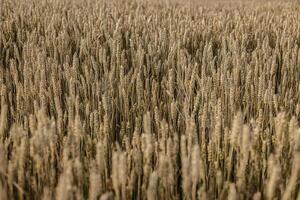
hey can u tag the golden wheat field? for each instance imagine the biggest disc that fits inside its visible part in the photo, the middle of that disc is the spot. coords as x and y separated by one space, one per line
149 100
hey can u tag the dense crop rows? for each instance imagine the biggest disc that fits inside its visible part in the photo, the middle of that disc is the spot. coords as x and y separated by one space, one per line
136 100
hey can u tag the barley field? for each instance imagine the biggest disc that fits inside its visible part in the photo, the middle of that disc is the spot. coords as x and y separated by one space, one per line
149 100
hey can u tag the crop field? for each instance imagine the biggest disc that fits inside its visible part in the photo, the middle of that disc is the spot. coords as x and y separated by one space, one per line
149 100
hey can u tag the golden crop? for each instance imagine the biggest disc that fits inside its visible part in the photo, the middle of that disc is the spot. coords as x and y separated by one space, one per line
149 100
